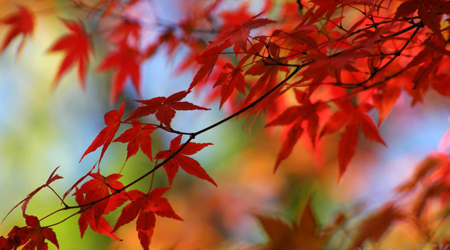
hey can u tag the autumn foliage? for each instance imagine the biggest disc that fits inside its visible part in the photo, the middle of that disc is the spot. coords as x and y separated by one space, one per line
344 63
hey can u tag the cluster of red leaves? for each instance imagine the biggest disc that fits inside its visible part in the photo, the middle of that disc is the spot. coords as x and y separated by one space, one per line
338 72
31 237
101 195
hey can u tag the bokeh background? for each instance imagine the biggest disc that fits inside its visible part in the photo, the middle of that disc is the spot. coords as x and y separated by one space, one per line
41 129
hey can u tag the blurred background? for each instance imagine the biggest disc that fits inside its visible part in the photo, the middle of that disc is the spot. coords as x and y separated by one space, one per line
41 129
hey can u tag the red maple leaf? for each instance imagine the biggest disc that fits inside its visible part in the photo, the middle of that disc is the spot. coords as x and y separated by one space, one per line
385 98
355 117
297 115
32 236
188 164
208 58
78 182
146 206
76 45
93 190
126 61
231 80
428 12
236 16
238 34
128 31
268 72
105 137
22 23
136 137
164 108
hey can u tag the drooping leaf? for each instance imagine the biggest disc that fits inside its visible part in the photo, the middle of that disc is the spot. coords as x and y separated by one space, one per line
97 192
385 99
353 117
87 218
106 136
229 81
76 46
208 60
238 34
347 148
21 22
306 112
126 62
127 32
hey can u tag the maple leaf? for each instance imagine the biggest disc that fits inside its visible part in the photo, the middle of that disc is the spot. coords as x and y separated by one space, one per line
136 137
181 159
128 32
300 35
32 236
234 79
327 8
99 225
93 190
77 46
22 23
265 82
428 11
126 61
164 108
145 207
208 58
267 72
238 34
330 65
303 234
429 60
105 137
355 117
236 16
25 201
296 115
78 182
35 235
376 225
385 98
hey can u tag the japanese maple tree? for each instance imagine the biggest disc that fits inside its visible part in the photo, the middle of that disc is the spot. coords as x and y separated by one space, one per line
343 62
